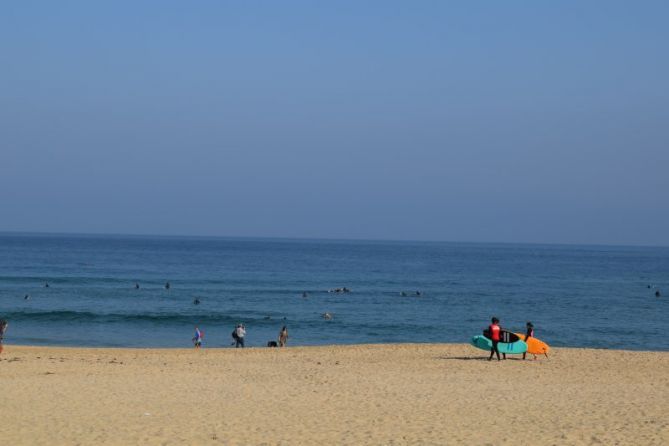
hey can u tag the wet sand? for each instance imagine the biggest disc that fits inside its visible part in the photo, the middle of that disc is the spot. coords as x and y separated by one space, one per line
336 395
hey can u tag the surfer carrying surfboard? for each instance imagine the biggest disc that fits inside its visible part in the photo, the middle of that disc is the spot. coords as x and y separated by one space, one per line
494 331
529 334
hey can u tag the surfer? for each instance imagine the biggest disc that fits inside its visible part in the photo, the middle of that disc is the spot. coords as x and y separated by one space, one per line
167 286
494 330
529 333
196 301
26 297
136 285
657 293
305 295
46 284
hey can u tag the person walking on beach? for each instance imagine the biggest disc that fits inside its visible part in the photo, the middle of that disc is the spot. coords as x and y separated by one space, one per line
529 333
3 328
238 335
283 336
197 339
494 330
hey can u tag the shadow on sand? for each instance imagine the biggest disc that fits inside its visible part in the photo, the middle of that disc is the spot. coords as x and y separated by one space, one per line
472 358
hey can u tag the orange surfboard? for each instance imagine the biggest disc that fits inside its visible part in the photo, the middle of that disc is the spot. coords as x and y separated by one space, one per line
535 346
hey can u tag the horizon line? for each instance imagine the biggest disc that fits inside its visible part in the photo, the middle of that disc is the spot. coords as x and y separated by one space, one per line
330 239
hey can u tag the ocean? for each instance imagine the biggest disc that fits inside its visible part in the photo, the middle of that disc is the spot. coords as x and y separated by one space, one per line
577 296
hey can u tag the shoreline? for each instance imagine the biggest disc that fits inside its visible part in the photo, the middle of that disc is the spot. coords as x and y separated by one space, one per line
367 394
314 346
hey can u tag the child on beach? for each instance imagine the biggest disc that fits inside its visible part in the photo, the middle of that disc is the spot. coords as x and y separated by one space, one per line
197 339
528 334
283 336
494 330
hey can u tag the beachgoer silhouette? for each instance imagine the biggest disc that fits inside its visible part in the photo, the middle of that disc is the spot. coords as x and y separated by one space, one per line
238 335
283 336
494 330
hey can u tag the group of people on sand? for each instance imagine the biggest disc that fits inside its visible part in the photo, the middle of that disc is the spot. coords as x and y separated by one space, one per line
495 331
238 336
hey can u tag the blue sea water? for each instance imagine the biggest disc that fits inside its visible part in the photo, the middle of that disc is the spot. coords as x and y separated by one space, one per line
585 296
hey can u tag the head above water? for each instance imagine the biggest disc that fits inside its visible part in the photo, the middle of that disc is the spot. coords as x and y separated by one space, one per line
529 325
495 320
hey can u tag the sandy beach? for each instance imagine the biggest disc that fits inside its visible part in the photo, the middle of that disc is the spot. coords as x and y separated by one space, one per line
335 395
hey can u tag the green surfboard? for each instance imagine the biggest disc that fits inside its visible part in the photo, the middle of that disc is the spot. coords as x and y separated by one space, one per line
513 348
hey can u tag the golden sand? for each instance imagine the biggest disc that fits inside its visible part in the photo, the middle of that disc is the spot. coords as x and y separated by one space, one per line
335 395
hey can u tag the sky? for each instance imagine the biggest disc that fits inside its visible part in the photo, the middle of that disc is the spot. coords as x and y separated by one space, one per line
538 122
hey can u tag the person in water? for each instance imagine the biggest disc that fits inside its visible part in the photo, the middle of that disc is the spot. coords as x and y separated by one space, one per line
283 336
136 285
197 339
494 330
529 333
167 286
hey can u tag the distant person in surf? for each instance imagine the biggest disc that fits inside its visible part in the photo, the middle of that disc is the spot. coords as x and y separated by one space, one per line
46 284
3 328
197 339
529 333
238 335
494 330
657 293
168 286
136 285
283 336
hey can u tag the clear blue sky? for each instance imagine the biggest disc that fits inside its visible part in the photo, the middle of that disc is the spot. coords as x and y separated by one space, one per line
464 121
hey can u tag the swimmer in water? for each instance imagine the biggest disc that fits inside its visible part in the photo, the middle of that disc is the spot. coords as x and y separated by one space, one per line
196 301
136 286
167 286
26 297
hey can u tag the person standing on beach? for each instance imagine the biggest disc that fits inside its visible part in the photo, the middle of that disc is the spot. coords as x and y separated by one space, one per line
528 334
494 330
197 339
283 336
3 328
240 332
